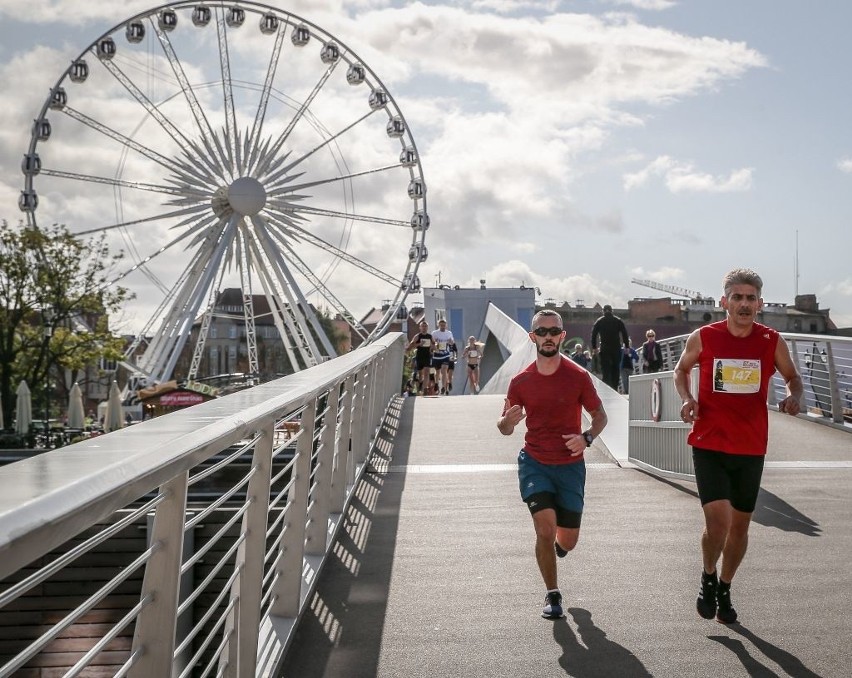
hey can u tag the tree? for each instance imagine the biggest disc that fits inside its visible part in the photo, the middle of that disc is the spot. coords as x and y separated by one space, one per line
55 299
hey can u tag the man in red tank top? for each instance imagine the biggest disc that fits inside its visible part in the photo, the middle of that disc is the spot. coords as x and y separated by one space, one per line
736 359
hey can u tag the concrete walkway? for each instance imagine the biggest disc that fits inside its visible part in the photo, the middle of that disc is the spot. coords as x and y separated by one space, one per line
435 573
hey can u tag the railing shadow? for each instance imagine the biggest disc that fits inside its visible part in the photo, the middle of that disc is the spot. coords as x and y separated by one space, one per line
596 656
770 511
789 663
340 617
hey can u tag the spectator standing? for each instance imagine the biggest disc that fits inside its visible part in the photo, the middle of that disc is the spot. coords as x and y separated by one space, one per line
422 343
551 394
629 358
652 354
608 336
444 343
580 357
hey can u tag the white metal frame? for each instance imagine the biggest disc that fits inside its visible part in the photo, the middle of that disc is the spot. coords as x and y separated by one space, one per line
325 418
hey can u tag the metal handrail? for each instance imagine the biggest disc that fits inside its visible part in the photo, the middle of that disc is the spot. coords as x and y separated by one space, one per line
340 407
825 363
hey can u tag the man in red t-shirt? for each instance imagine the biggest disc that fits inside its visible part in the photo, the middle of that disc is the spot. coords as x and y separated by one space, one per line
550 393
736 358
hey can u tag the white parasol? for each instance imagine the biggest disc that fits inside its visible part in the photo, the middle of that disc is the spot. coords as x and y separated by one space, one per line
24 409
114 418
76 416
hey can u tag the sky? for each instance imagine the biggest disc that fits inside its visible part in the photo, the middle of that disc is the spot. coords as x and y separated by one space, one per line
570 145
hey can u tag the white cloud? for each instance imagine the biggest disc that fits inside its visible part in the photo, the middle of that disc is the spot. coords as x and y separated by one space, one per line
651 5
681 177
845 165
581 287
504 110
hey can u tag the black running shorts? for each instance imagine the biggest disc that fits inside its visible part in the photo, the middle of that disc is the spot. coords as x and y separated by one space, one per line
735 477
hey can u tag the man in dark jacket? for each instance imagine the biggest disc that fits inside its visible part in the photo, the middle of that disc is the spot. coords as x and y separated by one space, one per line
608 336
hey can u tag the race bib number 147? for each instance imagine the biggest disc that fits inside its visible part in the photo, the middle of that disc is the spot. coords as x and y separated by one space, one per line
736 376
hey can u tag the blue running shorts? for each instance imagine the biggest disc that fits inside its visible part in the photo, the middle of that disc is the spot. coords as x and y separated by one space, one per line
567 482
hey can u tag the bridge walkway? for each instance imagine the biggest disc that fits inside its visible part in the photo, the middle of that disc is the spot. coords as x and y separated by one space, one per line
434 573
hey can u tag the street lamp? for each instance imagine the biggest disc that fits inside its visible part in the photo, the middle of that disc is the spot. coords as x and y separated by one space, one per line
48 333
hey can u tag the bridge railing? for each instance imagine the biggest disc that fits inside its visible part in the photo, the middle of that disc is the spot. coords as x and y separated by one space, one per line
657 436
238 501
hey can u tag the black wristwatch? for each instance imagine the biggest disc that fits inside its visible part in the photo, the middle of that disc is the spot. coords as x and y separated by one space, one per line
588 437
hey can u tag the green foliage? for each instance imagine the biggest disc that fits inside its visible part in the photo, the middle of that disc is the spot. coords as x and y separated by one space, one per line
54 303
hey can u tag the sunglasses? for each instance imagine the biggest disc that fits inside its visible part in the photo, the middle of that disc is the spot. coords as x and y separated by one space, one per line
544 331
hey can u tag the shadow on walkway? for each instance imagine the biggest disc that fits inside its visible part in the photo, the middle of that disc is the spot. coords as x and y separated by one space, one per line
339 636
771 510
596 656
790 664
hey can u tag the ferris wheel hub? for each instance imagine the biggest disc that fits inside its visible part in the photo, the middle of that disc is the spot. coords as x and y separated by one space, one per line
247 196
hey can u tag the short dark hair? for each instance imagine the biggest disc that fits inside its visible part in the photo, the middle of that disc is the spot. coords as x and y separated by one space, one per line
546 313
607 308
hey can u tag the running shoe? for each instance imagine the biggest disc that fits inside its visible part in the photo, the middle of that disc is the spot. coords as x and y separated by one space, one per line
552 606
706 603
561 552
726 614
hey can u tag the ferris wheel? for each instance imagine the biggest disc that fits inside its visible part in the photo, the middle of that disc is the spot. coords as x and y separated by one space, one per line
234 146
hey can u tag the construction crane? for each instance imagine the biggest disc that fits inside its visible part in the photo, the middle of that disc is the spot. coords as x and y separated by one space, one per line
672 289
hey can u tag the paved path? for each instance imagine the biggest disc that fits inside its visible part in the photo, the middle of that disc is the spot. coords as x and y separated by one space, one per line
435 574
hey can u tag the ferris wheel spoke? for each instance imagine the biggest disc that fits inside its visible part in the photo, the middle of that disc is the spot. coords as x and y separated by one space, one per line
284 307
264 165
332 180
274 174
315 240
201 120
298 302
177 136
251 153
117 136
88 178
142 263
350 216
232 147
327 294
146 220
176 326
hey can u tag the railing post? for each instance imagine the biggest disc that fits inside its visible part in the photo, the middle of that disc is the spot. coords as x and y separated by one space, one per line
155 627
316 535
834 387
344 470
362 408
245 619
287 585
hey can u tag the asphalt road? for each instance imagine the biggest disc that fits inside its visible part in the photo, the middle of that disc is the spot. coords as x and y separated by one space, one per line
435 573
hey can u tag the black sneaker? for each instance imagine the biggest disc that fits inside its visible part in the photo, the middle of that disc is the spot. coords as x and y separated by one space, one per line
726 614
706 603
561 552
552 606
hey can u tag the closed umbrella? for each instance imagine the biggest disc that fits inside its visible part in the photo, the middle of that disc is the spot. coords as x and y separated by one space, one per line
24 409
114 418
76 415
